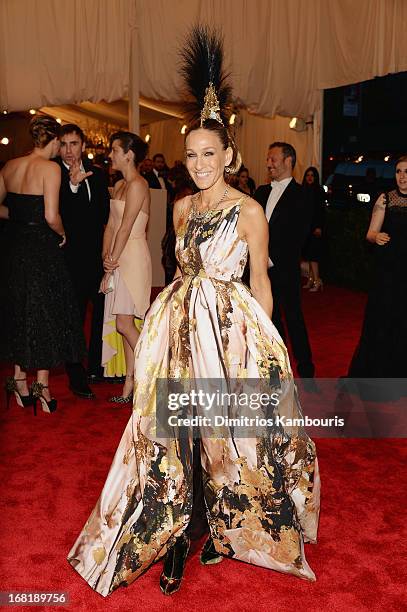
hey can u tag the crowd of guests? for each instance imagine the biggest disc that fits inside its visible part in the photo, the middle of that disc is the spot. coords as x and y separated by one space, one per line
65 244
95 231
91 226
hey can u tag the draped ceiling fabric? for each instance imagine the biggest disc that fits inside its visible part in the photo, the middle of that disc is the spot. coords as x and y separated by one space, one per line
54 52
281 54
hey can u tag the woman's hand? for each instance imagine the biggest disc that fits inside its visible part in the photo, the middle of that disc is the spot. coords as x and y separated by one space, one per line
104 285
382 238
109 264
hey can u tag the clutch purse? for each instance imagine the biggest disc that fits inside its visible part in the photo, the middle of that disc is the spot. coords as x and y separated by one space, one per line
110 286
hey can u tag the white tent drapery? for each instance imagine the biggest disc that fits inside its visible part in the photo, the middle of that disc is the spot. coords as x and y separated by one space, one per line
281 54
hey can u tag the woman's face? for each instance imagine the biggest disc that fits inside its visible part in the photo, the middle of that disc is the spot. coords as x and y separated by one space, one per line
206 158
243 178
401 176
119 158
309 177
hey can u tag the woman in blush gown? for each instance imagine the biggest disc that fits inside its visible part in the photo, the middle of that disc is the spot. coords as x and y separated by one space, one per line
41 325
127 261
261 490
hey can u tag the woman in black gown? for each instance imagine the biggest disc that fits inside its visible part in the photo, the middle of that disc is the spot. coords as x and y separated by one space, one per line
313 246
381 352
37 305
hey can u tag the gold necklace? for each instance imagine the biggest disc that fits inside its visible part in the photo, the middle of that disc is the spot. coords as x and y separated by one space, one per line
203 214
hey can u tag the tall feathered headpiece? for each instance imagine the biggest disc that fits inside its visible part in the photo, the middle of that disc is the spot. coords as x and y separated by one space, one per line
204 76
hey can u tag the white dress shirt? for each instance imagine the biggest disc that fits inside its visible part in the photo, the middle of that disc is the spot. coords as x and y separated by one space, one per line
74 188
277 190
160 178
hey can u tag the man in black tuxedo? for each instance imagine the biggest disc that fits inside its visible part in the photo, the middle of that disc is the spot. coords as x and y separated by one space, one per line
156 178
289 216
84 208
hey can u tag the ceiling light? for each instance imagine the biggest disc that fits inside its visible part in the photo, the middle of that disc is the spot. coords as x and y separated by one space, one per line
4 141
147 138
5 112
184 128
298 124
387 158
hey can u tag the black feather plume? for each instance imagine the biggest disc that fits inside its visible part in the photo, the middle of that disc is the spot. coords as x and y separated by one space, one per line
202 63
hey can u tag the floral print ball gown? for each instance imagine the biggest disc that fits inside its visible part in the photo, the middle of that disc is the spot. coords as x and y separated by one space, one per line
261 493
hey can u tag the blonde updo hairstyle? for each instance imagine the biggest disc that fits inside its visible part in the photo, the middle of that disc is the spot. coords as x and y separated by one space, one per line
43 129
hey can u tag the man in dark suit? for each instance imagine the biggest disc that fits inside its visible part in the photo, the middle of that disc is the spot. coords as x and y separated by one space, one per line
156 177
84 208
289 217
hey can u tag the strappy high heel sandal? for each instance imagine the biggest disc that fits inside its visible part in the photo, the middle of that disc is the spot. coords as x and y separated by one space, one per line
309 283
11 387
174 564
47 405
317 285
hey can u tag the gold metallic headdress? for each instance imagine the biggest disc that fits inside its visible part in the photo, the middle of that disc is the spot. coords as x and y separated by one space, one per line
211 106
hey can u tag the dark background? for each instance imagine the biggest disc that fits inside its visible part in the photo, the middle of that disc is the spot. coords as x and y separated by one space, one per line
378 125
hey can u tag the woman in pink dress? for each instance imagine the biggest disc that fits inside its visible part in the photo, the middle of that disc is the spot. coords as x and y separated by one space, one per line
126 257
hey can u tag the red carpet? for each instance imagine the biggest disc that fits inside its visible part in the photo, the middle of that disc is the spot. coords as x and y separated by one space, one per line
53 468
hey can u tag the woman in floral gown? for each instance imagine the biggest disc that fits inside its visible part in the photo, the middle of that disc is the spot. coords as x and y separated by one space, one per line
261 491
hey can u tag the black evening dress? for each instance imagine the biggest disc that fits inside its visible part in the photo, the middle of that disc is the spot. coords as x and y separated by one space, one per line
41 325
381 352
312 249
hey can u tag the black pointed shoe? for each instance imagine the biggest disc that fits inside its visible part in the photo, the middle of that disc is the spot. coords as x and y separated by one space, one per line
209 554
174 564
82 389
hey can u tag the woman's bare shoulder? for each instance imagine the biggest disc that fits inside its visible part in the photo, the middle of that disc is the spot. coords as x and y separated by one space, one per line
250 208
183 205
137 186
51 168
12 164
